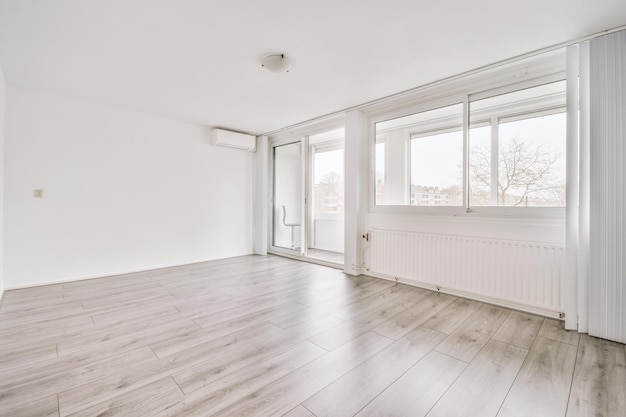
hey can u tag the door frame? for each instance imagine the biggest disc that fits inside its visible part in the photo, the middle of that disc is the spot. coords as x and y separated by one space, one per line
285 138
272 145
328 146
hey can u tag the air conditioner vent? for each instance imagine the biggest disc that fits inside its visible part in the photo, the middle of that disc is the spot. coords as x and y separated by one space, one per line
229 139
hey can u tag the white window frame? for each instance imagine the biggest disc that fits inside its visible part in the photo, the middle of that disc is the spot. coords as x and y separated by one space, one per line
286 137
407 111
466 210
548 212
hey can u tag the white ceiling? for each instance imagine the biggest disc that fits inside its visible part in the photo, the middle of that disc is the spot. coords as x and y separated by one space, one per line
199 60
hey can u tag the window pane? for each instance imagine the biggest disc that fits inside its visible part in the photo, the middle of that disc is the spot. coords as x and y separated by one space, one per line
523 163
287 195
380 173
419 158
437 170
480 167
328 182
531 162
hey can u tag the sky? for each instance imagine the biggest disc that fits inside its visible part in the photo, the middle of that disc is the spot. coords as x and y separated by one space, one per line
326 162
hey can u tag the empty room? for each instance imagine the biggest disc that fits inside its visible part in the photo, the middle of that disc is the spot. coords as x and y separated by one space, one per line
312 209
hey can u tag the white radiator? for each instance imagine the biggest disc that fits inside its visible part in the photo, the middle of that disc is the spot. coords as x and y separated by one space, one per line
523 275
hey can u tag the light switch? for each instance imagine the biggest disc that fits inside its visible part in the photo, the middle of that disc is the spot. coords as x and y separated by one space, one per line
38 193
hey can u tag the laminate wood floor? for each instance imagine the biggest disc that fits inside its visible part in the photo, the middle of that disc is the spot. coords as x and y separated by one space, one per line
269 336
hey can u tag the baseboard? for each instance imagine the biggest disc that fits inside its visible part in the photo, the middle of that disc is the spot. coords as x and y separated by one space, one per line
113 274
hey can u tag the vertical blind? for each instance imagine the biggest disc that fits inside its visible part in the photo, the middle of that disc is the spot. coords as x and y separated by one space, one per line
607 281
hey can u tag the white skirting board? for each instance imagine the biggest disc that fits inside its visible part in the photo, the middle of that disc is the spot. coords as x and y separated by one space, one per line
521 275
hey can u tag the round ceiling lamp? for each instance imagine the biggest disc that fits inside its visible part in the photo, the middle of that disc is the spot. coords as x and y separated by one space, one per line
276 63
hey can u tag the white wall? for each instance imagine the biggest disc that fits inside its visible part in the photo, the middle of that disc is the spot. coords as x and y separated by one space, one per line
2 111
122 191
354 191
328 232
261 196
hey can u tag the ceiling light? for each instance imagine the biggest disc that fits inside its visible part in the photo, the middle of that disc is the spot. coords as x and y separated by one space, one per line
276 63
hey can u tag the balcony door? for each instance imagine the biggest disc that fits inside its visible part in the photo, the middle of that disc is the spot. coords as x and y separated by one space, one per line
288 206
307 206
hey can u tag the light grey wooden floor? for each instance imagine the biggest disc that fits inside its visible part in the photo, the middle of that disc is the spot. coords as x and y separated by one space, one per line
325 255
267 336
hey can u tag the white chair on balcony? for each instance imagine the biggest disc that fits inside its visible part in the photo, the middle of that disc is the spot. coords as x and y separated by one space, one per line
292 225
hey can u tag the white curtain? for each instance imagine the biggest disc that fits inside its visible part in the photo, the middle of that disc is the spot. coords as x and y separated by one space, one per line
606 293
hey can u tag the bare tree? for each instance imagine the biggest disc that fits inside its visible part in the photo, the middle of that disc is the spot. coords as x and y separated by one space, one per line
331 178
329 193
524 171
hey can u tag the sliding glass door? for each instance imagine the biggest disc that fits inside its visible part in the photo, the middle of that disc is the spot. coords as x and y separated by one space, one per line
287 207
307 204
326 224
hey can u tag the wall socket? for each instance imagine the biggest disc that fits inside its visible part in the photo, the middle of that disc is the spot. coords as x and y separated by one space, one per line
38 193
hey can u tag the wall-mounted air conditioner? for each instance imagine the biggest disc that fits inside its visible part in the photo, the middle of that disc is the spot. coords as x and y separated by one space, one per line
226 138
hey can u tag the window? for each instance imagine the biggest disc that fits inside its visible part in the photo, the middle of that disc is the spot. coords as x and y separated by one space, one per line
517 156
328 180
423 158
380 173
437 168
509 152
